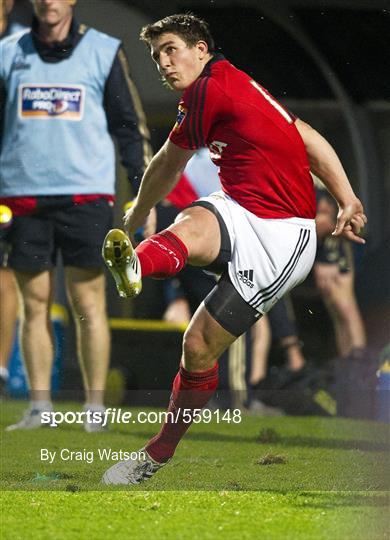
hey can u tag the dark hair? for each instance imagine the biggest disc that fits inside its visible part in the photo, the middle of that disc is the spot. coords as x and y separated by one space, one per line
186 25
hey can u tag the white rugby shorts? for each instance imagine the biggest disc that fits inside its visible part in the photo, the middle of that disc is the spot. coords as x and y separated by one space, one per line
269 257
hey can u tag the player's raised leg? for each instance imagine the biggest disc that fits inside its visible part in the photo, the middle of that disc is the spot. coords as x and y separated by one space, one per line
194 238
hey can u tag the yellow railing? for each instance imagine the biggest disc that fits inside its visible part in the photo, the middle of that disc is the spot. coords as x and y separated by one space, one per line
146 325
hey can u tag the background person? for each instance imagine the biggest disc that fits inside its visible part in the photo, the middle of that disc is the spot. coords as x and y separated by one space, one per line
334 275
8 28
8 300
223 108
70 93
8 291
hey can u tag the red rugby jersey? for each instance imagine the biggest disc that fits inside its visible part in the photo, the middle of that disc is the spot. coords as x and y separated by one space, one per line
251 137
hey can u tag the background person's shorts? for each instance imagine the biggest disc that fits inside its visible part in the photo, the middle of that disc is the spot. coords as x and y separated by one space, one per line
60 224
335 250
4 251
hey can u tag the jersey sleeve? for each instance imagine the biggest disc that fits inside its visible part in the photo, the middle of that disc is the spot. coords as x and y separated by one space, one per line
200 107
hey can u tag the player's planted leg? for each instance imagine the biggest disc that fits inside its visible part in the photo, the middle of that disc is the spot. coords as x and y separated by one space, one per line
195 383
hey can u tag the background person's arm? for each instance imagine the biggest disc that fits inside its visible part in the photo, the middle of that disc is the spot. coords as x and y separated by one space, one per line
126 120
325 163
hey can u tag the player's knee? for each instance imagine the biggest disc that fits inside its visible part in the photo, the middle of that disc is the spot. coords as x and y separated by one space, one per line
196 353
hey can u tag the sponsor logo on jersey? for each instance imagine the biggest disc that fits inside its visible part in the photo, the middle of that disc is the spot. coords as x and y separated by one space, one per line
20 62
46 101
181 114
246 276
216 148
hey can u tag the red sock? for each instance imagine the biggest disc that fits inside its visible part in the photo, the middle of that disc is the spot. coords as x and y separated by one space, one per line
189 391
162 255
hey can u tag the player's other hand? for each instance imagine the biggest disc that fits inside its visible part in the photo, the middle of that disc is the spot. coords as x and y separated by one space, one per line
351 219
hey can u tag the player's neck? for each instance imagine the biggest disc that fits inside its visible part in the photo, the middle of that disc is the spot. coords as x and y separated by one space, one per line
57 32
204 63
207 59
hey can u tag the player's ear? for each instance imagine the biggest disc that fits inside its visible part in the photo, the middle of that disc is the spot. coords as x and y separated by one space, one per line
202 49
72 2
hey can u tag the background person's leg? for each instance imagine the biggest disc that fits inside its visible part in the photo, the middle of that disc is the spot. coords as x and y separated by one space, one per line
337 290
86 293
8 315
261 343
37 341
349 313
285 333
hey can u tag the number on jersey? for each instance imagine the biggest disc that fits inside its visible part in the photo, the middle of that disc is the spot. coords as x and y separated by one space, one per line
273 102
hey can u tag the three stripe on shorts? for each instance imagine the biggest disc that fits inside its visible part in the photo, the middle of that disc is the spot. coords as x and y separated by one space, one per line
271 290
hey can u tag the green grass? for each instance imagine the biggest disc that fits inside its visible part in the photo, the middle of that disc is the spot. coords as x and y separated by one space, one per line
331 481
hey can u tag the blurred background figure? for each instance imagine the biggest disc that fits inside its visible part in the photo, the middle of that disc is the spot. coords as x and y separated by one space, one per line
278 326
8 300
8 291
70 93
334 274
6 26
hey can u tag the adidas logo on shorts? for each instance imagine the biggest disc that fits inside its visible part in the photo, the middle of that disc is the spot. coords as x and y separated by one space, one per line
246 276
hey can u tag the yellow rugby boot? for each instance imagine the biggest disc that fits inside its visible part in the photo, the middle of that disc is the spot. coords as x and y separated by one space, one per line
123 263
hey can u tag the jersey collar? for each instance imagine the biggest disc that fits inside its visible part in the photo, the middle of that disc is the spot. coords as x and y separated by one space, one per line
59 50
217 57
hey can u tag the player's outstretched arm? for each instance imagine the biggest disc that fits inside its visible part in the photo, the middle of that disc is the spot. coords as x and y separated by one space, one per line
161 176
325 163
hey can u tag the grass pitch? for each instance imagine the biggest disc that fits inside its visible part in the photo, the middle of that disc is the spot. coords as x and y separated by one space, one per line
269 478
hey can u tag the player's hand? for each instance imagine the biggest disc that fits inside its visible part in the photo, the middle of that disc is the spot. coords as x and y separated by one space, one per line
134 219
150 223
351 219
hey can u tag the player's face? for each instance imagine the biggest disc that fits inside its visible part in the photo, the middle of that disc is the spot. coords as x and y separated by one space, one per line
52 12
179 64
